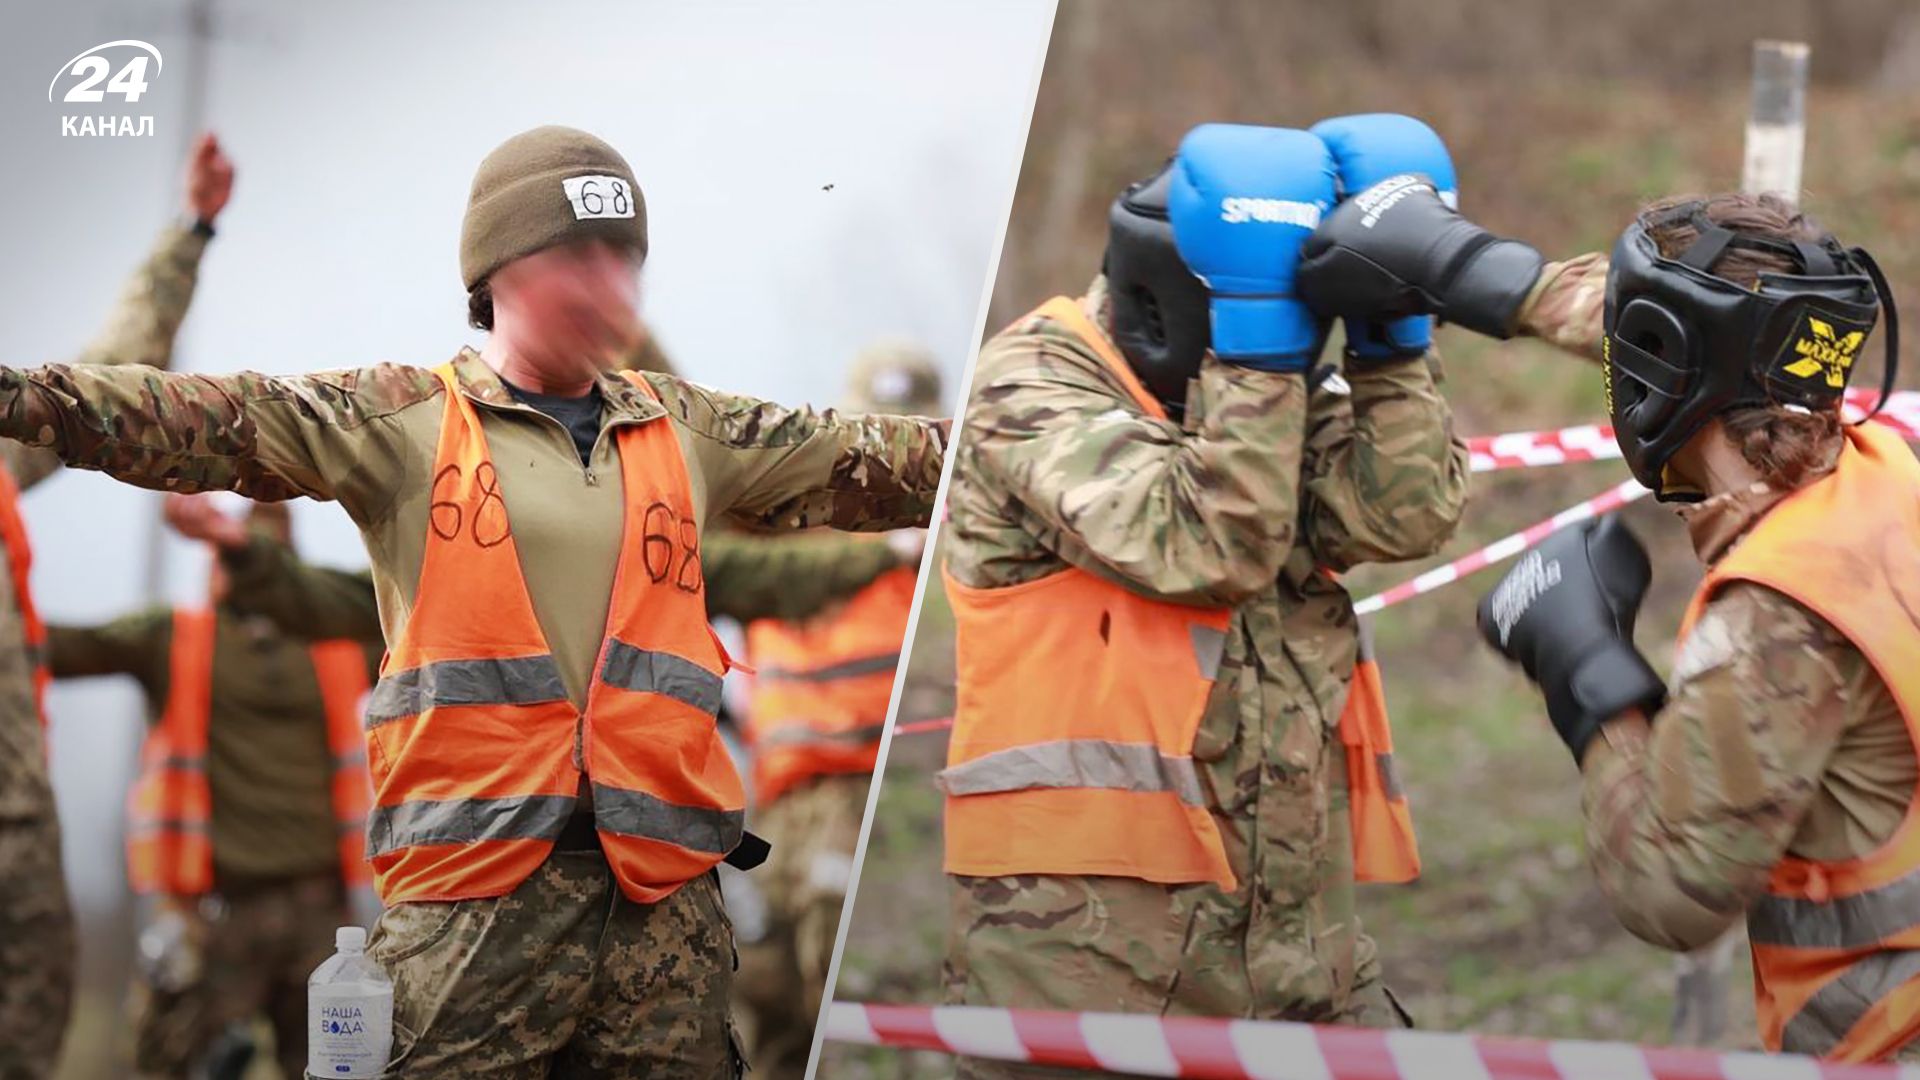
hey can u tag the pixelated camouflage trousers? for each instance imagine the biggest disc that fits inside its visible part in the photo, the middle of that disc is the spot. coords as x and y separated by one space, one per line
1108 944
36 947
814 829
251 947
564 977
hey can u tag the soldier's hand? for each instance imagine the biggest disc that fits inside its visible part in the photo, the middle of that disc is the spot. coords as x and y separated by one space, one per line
1565 614
198 517
209 179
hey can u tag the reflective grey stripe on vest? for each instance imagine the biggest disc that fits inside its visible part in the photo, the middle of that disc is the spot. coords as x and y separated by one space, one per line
636 813
1076 763
185 762
1843 922
520 680
466 821
798 734
1833 1011
170 825
630 667
879 664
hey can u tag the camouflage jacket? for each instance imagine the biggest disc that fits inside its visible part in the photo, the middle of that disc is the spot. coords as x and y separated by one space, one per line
748 577
1778 737
368 439
1263 486
139 330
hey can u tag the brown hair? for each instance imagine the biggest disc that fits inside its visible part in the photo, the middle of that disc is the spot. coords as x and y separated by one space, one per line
1788 447
480 307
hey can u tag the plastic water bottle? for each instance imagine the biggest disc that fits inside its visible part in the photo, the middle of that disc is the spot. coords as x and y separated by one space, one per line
349 1012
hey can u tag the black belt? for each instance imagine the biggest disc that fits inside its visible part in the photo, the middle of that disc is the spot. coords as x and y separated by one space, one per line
579 834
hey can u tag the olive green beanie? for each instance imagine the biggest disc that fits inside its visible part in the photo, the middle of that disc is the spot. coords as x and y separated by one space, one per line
544 187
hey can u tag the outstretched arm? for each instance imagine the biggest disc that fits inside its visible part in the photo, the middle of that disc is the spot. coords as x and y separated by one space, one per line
794 468
144 322
789 577
326 436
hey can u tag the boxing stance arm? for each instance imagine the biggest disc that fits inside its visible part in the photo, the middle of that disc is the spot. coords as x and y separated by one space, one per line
1686 819
1568 305
1385 479
1202 516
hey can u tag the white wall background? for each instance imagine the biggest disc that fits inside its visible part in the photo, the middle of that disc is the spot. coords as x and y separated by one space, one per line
356 127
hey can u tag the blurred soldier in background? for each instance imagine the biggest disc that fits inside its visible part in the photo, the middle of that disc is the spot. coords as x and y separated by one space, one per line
1145 777
36 925
1776 777
248 821
821 688
534 522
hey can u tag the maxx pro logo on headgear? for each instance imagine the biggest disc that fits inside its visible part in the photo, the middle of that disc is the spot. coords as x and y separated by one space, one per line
1820 349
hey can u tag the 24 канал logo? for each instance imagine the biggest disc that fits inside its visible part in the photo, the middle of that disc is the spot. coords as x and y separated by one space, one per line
117 68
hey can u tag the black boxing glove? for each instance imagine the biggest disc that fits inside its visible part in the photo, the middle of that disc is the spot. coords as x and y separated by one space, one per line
1565 614
1397 249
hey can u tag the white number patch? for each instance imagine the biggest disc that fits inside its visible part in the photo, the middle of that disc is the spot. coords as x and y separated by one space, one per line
599 197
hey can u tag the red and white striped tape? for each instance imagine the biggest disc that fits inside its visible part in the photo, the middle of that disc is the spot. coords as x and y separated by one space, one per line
1594 442
1532 449
1504 548
1217 1049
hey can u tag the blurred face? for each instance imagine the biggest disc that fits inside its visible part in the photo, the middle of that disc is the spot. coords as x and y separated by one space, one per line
570 311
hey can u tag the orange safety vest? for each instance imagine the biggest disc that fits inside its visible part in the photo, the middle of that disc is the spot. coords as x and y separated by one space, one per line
1384 849
477 752
820 697
13 533
1836 945
1079 701
170 810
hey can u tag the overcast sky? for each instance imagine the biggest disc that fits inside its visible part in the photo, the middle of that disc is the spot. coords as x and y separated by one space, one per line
817 176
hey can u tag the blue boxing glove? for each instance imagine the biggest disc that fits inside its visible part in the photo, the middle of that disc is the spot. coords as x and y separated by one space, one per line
1368 149
1241 201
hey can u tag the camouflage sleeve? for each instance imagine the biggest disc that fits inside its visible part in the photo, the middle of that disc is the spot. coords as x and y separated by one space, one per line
1203 517
787 577
314 603
140 330
1685 822
326 436
1567 306
136 645
1385 478
785 468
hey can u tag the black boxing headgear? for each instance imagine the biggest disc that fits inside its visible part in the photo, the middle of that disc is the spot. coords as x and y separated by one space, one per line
1683 345
1158 307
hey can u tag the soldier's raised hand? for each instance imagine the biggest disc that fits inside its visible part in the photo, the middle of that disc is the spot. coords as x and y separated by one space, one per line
209 179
